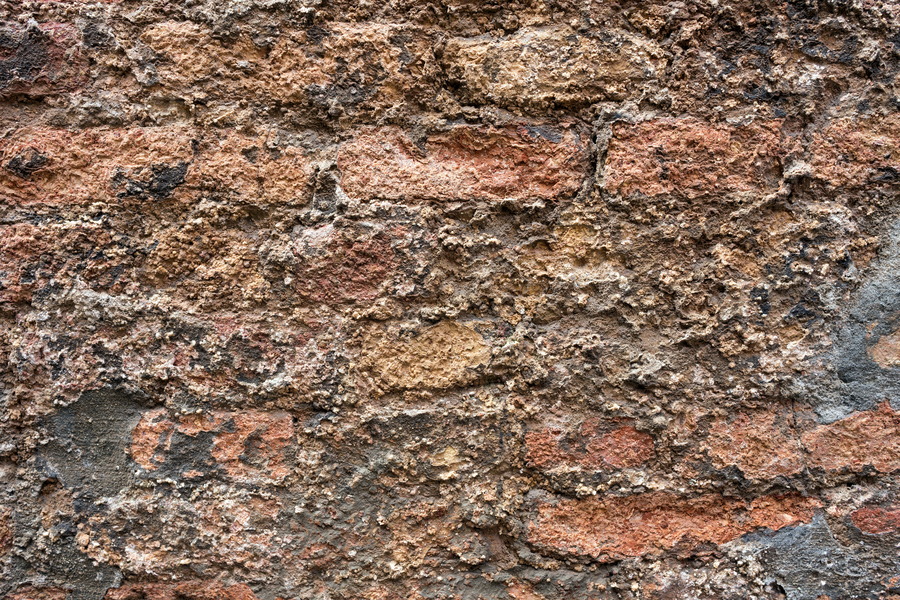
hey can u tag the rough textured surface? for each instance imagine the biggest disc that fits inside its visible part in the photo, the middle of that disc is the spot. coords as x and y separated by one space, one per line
457 300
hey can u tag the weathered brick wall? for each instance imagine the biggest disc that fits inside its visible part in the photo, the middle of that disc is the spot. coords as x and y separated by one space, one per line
457 299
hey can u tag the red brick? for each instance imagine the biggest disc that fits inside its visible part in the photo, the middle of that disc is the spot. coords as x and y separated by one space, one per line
57 166
854 152
594 445
250 446
761 444
38 593
22 247
877 519
610 529
466 162
40 60
259 437
863 439
186 590
691 158
337 266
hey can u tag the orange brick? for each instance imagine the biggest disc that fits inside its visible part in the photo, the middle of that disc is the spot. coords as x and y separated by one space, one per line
150 437
761 444
764 444
391 64
255 450
446 355
249 446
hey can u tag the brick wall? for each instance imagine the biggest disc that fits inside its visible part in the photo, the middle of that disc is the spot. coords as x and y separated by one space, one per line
524 300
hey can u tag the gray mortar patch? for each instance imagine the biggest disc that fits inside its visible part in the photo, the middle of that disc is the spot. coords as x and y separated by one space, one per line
87 454
853 381
809 562
90 439
64 565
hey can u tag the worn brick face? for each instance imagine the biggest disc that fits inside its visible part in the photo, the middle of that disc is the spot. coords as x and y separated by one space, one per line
33 257
547 66
691 158
188 590
22 252
6 531
886 351
850 152
337 266
54 166
40 59
251 446
615 528
39 593
445 355
763 444
464 163
348 65
769 444
860 440
877 519
593 445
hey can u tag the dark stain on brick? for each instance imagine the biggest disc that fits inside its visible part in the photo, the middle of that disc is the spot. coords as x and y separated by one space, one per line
164 179
27 163
26 55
